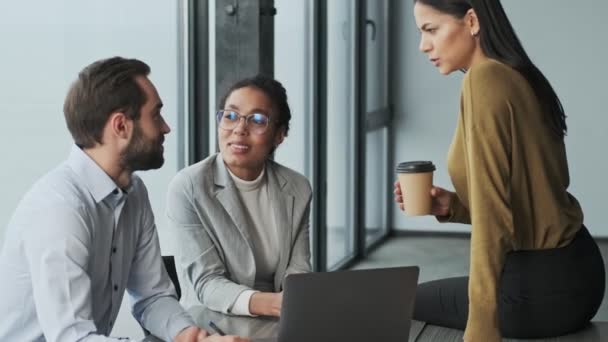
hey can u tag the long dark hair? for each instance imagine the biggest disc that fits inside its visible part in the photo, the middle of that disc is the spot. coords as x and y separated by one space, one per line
499 41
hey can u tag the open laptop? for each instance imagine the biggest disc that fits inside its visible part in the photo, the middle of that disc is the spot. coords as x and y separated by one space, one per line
356 306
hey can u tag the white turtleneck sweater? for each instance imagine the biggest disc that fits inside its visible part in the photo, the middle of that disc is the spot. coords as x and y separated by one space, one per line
264 237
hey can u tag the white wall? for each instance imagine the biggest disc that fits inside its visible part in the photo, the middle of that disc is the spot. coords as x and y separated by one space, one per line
566 40
44 45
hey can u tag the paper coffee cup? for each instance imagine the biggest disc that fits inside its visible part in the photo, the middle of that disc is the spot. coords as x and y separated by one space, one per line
416 179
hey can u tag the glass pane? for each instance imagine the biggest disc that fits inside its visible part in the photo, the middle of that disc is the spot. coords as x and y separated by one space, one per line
293 67
376 55
376 163
376 185
340 128
44 46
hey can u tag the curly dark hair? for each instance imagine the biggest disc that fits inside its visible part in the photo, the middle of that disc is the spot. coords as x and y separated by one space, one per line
275 92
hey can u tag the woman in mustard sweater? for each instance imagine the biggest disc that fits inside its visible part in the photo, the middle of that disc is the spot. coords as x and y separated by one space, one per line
534 271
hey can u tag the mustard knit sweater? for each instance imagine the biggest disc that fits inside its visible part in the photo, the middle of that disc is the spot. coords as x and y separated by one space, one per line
510 174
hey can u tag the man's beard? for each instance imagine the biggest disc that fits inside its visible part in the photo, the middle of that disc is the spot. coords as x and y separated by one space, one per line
143 154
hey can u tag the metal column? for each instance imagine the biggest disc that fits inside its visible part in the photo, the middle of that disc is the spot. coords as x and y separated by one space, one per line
244 41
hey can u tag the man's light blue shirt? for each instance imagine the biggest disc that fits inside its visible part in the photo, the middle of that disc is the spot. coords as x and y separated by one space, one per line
74 244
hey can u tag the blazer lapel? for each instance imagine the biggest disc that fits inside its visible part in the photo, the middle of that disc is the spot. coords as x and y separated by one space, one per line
282 203
227 195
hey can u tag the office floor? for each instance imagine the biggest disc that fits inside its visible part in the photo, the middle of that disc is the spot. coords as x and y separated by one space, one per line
441 257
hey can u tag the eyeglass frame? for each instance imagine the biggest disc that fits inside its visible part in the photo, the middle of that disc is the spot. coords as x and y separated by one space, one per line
247 118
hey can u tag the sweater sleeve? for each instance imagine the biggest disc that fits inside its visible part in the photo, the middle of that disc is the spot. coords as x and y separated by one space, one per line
458 212
487 115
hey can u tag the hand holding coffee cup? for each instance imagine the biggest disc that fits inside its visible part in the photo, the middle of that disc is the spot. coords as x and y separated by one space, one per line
416 183
441 198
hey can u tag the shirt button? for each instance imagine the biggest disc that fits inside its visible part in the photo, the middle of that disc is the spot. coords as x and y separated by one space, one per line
115 192
113 249
115 287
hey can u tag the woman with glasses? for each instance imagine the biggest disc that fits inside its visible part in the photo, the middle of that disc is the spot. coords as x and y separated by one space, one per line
239 218
535 271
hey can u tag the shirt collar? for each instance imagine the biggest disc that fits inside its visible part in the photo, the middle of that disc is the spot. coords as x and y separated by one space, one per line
94 178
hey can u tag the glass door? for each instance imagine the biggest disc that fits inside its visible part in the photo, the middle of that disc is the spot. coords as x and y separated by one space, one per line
340 122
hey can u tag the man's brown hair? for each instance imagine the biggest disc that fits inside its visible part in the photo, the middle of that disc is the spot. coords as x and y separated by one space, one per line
102 88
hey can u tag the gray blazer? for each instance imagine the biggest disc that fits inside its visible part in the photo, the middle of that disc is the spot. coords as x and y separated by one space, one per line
214 260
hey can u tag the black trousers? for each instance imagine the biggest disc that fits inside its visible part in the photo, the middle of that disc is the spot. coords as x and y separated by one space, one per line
543 293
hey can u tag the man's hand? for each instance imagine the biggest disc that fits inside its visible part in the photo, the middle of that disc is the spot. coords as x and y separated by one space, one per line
217 338
190 334
196 334
266 303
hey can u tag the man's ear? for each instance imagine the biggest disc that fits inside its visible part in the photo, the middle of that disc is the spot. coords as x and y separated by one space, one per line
120 125
472 22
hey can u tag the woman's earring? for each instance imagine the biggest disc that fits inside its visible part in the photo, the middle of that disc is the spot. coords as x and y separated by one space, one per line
474 34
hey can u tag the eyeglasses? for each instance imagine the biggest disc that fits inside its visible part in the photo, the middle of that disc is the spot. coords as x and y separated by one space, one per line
229 119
